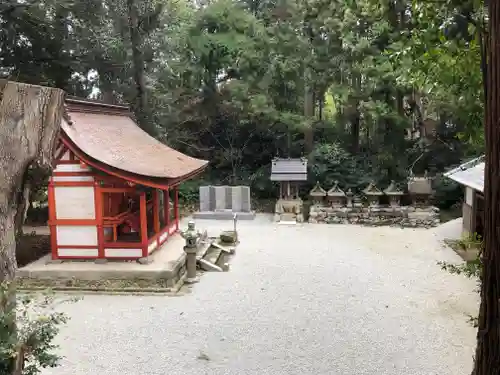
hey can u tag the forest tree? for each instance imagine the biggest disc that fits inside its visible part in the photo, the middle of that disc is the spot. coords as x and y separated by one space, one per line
30 117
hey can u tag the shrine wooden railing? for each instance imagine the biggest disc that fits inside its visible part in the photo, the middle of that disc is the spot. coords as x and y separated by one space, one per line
117 220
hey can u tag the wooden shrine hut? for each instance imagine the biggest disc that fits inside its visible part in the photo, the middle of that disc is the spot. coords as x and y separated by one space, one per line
289 173
471 176
113 193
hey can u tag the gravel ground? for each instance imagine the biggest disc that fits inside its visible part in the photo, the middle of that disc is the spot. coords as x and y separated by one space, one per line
311 299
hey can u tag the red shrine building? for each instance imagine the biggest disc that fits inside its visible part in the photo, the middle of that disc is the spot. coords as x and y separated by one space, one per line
113 193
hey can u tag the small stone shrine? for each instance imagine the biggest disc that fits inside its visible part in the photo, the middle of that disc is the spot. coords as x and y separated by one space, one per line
289 173
373 194
336 196
339 207
317 194
222 202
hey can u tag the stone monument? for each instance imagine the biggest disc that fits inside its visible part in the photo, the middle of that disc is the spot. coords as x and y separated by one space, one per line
222 202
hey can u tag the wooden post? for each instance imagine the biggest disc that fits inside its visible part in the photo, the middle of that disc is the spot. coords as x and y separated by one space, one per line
144 224
176 207
52 219
156 211
166 210
487 360
99 207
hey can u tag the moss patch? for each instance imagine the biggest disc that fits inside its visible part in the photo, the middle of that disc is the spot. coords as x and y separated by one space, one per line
159 285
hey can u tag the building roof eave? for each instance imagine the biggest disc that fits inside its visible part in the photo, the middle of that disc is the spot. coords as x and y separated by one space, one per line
153 182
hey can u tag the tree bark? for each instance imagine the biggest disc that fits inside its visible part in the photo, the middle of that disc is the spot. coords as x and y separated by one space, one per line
141 102
30 118
487 359
308 112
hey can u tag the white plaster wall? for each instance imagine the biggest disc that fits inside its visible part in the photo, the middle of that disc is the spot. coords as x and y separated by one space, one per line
122 253
152 247
469 196
78 252
163 237
76 235
72 168
75 202
65 156
73 178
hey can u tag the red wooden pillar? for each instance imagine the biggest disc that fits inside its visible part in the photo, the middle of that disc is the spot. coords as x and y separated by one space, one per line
156 211
99 208
166 208
52 219
176 207
144 224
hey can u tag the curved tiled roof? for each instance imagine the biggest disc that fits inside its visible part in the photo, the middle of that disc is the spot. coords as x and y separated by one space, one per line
109 135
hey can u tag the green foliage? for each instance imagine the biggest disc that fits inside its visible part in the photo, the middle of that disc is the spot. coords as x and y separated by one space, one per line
188 191
330 163
471 269
28 326
446 192
230 81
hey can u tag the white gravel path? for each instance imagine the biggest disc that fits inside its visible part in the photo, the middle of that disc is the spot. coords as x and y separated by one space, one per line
311 299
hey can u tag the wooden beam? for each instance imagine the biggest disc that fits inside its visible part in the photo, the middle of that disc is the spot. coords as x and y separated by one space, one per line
144 224
156 211
176 207
99 214
166 211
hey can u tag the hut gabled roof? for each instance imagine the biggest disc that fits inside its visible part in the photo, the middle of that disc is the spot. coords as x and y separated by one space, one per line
107 138
470 174
317 191
372 190
336 191
289 169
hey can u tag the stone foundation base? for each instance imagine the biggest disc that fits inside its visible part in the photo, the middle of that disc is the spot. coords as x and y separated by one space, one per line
223 215
406 216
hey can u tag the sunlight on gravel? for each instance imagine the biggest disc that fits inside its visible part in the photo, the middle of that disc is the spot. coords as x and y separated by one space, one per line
310 299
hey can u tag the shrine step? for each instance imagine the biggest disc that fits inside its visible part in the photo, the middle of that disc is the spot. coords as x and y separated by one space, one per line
287 219
215 259
203 247
209 266
211 256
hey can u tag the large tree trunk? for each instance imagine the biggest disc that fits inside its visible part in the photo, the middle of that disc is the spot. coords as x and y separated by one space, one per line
30 117
487 359
141 101
308 112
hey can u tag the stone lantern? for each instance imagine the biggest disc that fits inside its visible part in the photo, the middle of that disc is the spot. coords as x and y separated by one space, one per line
191 236
420 190
394 194
336 196
349 197
317 194
373 194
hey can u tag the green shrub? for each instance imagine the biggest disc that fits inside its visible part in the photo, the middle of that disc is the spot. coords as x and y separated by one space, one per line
28 326
446 192
189 191
329 163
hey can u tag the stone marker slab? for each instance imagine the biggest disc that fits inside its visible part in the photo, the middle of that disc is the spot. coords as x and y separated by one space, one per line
205 198
236 198
220 197
222 202
245 199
